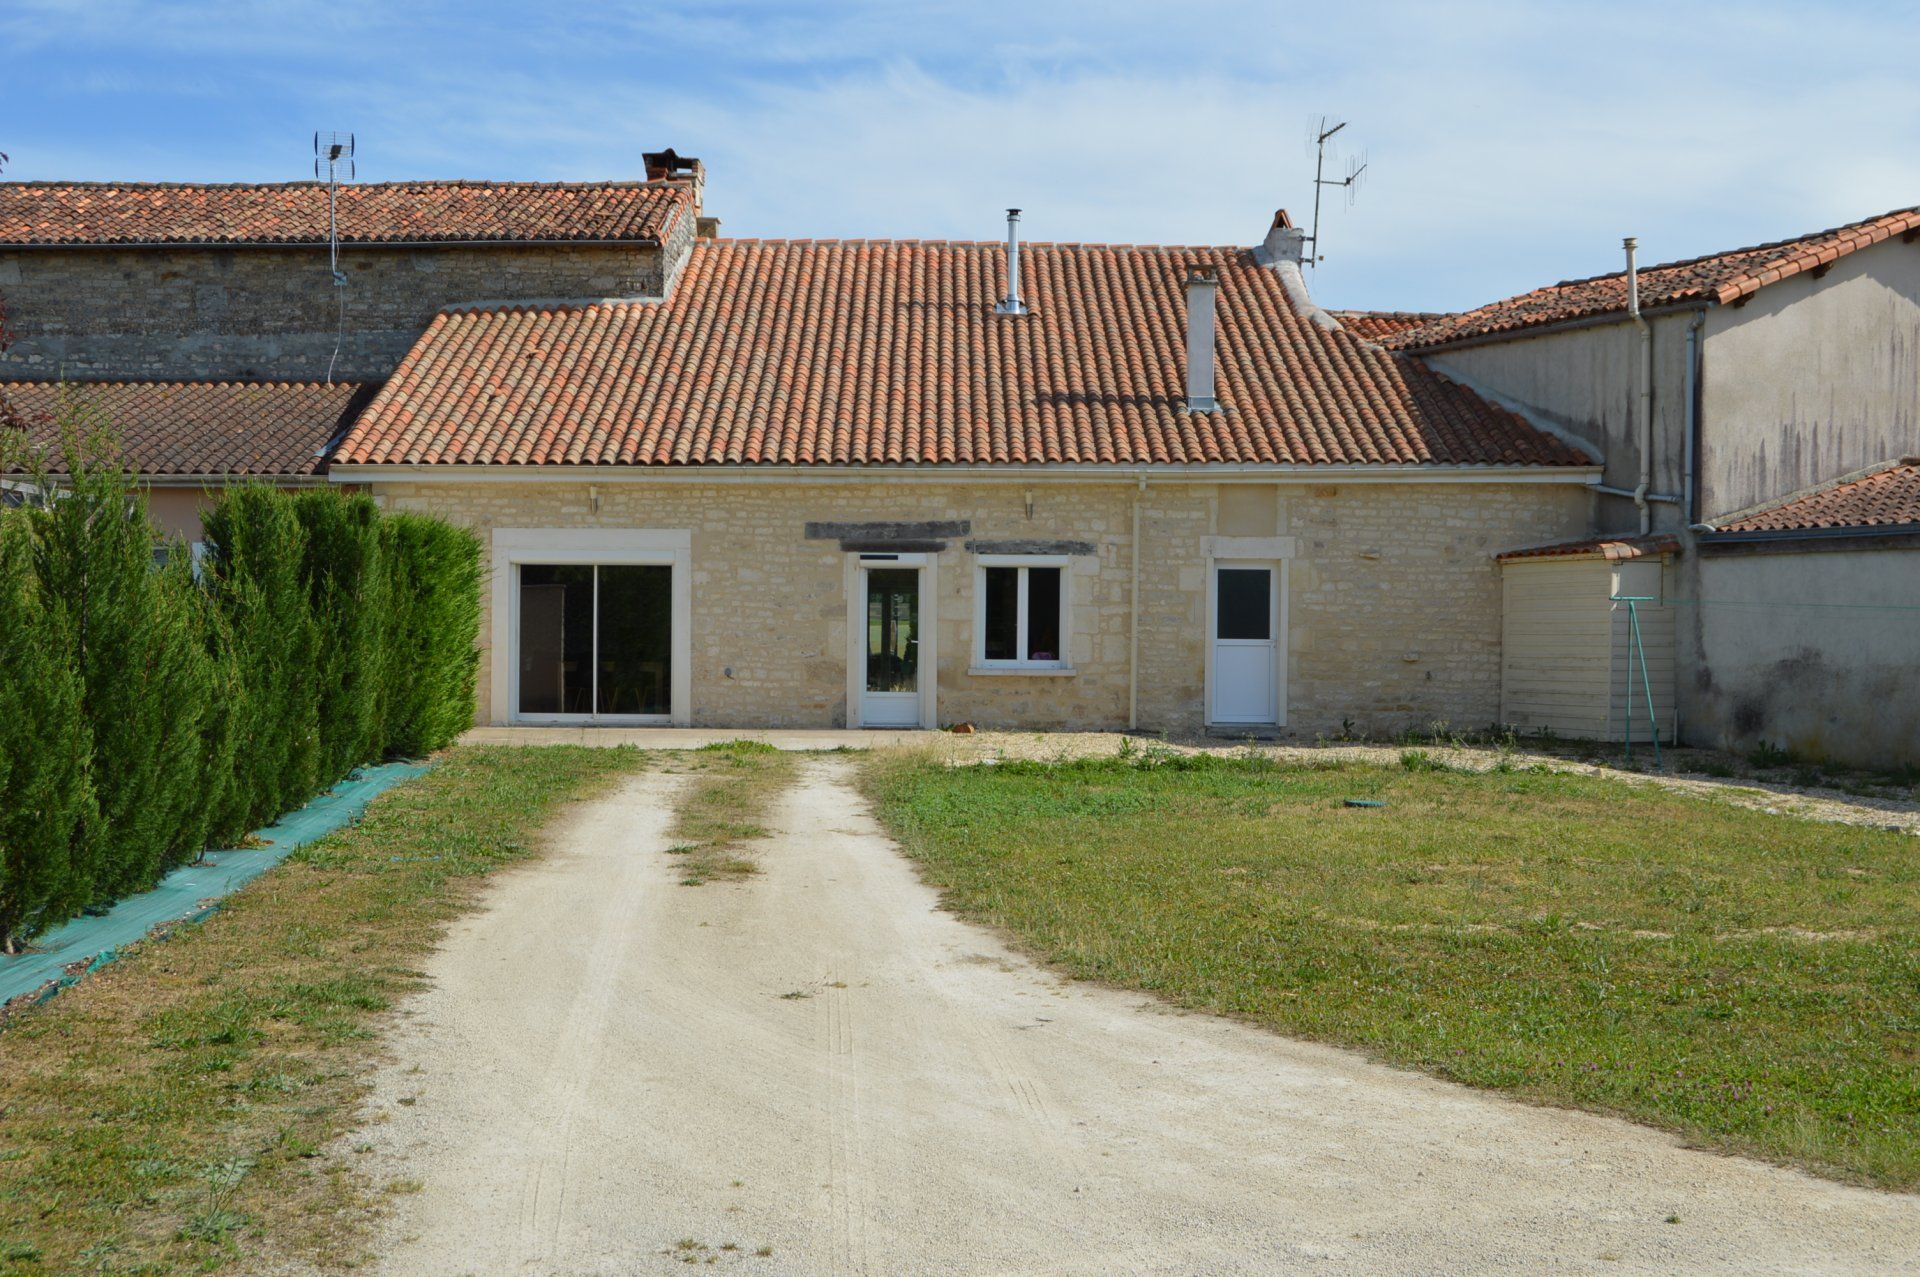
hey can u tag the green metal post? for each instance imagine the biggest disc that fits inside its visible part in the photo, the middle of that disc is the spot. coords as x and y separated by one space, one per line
1638 648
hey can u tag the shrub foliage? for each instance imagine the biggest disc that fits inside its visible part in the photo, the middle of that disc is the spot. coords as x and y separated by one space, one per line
151 705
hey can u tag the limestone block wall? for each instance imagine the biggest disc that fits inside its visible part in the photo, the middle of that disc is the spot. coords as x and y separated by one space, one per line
247 314
1393 612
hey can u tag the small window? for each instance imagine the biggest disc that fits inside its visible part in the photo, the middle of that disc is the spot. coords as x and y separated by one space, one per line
1022 614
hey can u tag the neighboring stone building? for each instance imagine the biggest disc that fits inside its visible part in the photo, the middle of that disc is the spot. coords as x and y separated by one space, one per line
1764 375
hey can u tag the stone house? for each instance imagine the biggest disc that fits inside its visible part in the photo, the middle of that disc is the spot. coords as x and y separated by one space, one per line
813 483
1757 413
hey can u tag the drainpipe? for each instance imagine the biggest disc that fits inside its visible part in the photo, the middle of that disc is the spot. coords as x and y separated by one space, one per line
1133 613
1688 492
1645 388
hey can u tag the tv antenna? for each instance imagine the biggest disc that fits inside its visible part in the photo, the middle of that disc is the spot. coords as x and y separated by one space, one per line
334 151
1319 132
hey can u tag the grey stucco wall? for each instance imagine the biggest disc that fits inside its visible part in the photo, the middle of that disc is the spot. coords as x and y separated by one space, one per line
1812 379
1583 382
1817 652
273 314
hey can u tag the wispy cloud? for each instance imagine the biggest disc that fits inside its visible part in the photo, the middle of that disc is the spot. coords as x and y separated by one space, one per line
1510 144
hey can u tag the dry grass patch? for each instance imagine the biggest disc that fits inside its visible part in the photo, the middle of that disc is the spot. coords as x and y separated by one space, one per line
178 1110
731 786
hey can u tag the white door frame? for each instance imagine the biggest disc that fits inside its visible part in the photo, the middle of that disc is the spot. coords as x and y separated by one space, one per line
1250 552
857 567
599 547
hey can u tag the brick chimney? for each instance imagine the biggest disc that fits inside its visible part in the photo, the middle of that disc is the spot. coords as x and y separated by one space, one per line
670 166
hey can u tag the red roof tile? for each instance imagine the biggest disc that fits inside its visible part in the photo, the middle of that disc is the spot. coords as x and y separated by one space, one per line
800 352
1884 497
1612 549
80 214
1718 278
276 429
1376 324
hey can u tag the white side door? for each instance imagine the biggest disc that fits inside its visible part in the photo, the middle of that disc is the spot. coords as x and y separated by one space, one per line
1245 625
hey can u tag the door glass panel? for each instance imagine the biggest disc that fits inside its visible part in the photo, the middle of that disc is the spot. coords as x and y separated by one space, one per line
1003 614
556 639
636 639
1243 599
893 630
1043 614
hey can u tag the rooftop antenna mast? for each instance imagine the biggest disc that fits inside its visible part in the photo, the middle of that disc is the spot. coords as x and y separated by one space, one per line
1319 132
335 152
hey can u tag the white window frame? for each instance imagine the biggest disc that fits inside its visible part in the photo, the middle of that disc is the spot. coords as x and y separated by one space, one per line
1064 663
601 547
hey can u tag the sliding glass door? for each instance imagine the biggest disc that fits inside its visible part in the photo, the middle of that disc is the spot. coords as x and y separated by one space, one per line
595 641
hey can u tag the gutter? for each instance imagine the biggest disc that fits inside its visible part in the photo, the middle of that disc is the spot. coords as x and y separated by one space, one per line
1071 472
1710 535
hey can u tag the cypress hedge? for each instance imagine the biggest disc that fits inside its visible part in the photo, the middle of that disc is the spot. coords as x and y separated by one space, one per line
151 706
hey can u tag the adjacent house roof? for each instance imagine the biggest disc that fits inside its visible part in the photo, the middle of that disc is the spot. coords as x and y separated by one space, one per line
1612 549
1887 496
1718 278
1376 324
827 352
264 429
76 214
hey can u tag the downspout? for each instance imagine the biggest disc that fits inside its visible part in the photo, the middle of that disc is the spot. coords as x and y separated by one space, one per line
1689 490
1133 614
1645 376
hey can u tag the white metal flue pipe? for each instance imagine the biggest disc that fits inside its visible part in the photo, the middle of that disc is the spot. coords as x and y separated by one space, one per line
1644 374
1011 303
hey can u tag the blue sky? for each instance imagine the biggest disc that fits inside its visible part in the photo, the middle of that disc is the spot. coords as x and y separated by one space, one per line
1510 144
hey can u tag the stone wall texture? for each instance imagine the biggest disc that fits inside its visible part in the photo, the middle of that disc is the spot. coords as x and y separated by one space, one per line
273 314
1393 617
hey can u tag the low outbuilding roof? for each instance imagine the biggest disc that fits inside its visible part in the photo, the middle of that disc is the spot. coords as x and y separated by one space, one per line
189 429
890 352
1717 278
104 214
1886 496
1612 549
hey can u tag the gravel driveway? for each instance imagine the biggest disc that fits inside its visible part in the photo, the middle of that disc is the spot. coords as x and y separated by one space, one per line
614 1074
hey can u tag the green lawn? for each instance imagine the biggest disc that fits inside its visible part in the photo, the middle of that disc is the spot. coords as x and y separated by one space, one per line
174 1111
1751 981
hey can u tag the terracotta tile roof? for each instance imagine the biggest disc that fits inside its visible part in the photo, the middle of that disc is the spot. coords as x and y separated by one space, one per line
1376 324
1612 549
77 213
269 429
1887 496
1718 278
827 352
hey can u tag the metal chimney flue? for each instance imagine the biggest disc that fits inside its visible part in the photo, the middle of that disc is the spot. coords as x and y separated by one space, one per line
1203 286
1011 304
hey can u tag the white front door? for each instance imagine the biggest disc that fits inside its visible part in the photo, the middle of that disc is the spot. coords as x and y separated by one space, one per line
889 647
1246 627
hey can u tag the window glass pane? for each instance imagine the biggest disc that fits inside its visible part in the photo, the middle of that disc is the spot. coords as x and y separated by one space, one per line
1003 614
1244 601
556 639
1043 614
893 630
636 639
